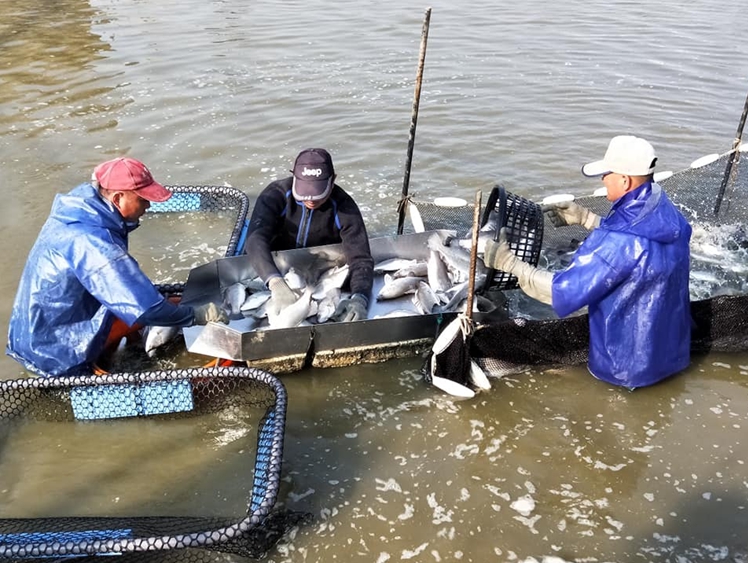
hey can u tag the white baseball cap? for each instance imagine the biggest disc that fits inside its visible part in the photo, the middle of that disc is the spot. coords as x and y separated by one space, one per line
627 155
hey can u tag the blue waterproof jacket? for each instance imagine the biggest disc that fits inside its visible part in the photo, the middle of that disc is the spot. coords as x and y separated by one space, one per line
632 272
77 278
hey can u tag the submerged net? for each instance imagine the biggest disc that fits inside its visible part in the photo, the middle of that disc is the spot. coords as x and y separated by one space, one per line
718 282
168 395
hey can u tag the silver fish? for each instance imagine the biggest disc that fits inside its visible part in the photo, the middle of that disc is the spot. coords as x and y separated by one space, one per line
394 288
419 269
294 279
394 264
456 258
157 336
234 297
437 272
396 313
327 305
255 300
292 315
334 278
425 299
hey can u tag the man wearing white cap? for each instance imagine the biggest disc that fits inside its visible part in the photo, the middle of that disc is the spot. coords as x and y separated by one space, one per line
631 271
310 209
80 280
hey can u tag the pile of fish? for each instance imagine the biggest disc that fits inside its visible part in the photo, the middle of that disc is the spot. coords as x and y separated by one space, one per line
436 284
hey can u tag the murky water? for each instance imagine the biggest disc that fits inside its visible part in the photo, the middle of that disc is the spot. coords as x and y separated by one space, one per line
546 464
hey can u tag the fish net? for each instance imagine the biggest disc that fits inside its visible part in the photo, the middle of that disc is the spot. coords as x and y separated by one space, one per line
168 395
711 196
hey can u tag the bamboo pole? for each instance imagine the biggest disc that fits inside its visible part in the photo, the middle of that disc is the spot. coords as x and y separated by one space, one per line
413 121
473 256
733 160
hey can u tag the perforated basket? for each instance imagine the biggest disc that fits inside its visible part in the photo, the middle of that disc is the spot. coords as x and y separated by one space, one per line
523 220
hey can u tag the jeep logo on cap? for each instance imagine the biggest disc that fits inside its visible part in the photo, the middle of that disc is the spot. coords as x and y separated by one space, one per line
311 172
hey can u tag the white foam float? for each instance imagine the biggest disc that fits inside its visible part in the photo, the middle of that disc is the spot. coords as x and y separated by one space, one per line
450 202
415 218
557 198
704 160
664 175
478 377
452 387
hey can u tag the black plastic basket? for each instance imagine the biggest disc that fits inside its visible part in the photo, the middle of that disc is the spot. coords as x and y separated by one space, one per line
523 220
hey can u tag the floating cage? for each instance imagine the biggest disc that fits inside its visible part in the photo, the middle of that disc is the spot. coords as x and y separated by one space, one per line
168 395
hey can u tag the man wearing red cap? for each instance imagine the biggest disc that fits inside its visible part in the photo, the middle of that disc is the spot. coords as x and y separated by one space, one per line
79 276
310 209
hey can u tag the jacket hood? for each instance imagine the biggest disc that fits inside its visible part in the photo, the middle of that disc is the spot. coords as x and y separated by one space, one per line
84 205
645 212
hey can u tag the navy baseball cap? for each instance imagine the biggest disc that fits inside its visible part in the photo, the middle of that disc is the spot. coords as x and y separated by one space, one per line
313 175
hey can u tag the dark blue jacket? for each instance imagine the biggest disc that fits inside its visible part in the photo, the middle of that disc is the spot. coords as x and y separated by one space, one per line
632 272
279 222
78 277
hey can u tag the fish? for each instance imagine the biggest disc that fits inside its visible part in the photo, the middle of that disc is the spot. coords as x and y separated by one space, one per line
294 279
425 299
255 300
437 273
396 313
327 305
394 264
292 315
419 269
157 336
456 258
333 278
394 288
483 237
234 297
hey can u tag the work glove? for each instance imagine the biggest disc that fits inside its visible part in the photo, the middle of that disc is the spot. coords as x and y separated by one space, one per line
281 297
570 213
355 308
210 313
534 282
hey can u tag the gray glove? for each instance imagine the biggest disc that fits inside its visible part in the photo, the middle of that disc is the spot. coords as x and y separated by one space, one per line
282 295
210 313
355 308
534 282
570 213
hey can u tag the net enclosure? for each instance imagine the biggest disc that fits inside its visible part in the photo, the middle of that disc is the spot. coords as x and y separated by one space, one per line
711 194
168 395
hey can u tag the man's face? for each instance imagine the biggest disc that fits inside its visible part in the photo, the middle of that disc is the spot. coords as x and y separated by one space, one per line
315 204
616 185
130 205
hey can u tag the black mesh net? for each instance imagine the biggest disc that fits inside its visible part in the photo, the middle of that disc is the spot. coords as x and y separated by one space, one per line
227 205
711 196
169 395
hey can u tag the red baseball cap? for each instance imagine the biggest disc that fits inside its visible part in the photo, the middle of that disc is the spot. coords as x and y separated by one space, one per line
124 174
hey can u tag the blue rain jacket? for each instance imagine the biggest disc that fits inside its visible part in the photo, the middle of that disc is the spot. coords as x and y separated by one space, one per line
632 272
78 276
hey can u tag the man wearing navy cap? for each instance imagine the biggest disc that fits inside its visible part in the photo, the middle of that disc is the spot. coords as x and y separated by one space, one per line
631 271
310 209
79 279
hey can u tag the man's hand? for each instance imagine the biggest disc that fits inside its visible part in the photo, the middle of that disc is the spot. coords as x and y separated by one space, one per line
534 282
282 295
352 309
570 213
498 255
210 313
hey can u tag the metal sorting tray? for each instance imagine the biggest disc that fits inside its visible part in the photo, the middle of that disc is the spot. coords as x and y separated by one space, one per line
327 344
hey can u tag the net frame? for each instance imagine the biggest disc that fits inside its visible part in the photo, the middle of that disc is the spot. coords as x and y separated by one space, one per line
212 388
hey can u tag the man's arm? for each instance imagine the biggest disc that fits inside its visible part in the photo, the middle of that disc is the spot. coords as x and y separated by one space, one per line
355 242
264 224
